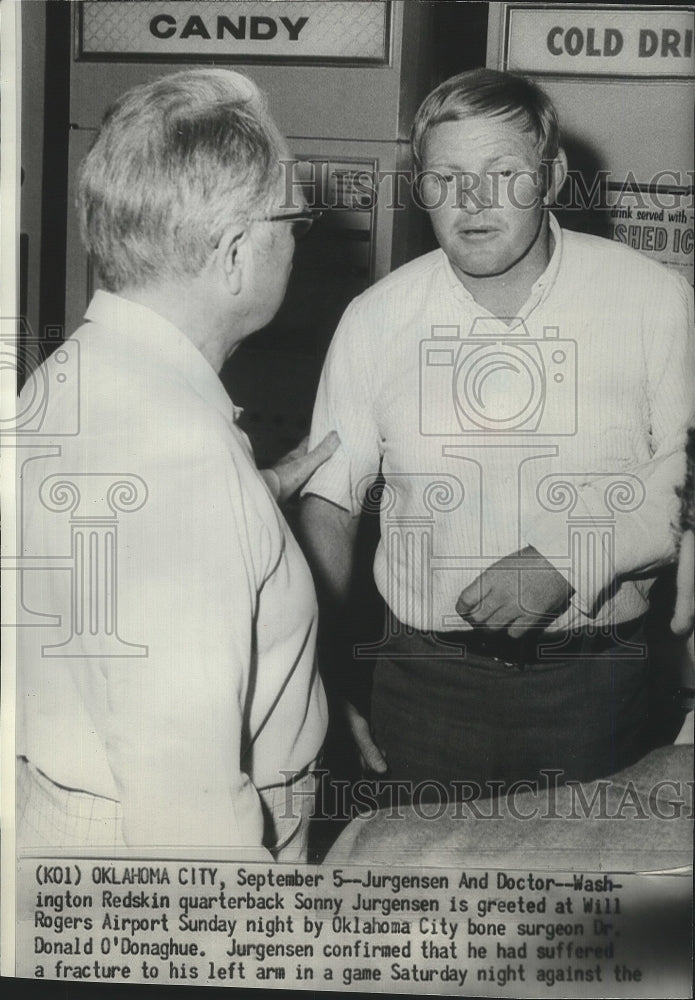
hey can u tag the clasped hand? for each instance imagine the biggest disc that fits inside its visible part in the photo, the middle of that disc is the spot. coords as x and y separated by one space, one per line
519 592
515 594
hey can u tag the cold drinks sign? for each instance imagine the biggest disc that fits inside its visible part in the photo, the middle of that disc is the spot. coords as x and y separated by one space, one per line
600 41
291 31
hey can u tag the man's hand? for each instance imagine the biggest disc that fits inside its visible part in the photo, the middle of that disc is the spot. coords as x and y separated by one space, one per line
516 593
297 466
371 757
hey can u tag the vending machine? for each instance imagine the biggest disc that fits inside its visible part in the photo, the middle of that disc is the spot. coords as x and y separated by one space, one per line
343 80
621 77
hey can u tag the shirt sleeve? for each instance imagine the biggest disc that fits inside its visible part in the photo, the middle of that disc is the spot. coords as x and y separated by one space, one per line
643 535
173 721
345 403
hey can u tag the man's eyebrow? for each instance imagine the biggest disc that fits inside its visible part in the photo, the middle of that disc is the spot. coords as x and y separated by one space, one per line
447 164
509 155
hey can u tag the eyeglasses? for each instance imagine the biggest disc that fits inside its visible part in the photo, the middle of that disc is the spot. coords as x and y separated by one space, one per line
301 221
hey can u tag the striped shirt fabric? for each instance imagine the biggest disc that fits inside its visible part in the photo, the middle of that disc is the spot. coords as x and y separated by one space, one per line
170 668
561 428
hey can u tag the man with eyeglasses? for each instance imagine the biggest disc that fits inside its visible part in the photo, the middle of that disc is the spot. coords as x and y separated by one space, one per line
194 715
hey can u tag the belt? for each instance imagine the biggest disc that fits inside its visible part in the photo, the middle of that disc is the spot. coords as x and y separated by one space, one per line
541 647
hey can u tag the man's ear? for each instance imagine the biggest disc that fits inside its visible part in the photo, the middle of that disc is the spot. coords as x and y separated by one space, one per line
231 257
556 174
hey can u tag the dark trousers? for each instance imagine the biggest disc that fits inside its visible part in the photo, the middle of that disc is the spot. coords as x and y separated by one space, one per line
475 719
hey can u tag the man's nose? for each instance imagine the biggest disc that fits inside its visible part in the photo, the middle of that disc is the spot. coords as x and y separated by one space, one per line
476 192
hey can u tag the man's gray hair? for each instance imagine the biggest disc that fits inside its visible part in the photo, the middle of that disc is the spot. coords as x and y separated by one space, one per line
175 162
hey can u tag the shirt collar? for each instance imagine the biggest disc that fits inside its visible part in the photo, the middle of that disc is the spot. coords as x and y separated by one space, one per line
540 287
163 344
547 279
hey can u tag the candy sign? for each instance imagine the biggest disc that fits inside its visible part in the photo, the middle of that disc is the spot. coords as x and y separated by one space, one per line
226 30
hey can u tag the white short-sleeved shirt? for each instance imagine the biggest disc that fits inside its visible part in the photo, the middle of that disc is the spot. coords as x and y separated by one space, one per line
210 689
561 428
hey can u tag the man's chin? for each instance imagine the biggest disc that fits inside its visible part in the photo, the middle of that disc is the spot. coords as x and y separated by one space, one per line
479 269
